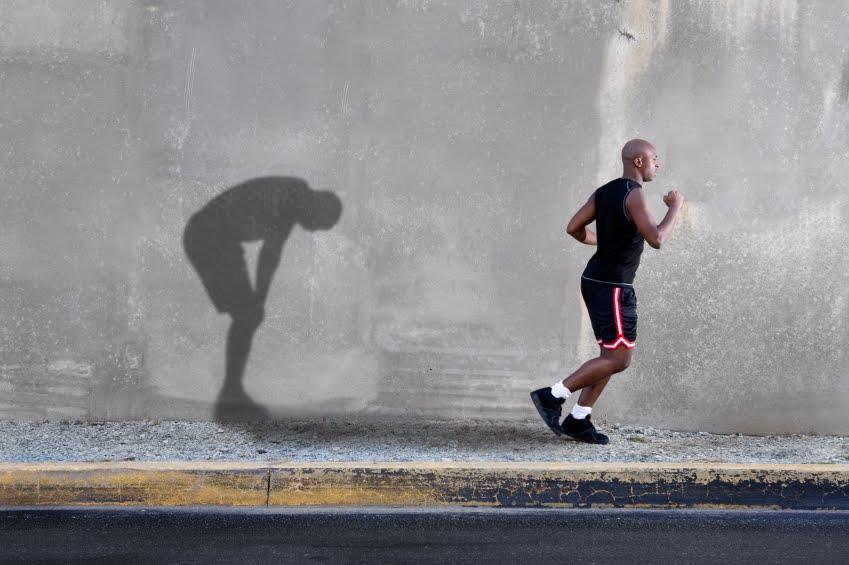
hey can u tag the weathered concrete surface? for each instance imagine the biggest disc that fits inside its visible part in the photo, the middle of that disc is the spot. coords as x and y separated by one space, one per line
553 485
459 138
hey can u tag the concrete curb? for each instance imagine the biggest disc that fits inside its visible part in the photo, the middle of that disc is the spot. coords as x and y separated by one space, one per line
502 484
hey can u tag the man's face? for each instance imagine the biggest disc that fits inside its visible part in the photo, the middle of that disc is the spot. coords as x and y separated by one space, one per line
649 164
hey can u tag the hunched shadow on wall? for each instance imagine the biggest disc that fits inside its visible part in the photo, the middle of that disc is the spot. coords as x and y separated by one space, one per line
266 209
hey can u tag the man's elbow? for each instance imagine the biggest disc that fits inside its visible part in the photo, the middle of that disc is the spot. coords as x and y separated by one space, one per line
654 240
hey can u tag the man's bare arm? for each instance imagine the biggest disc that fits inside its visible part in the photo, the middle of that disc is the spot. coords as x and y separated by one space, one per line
654 234
577 227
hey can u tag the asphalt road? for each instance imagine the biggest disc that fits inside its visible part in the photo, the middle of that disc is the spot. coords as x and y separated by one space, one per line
422 536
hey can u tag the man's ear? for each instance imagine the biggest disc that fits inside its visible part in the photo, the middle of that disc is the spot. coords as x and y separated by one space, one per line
638 161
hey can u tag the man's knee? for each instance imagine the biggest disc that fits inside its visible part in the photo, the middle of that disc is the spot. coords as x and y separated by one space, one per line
619 359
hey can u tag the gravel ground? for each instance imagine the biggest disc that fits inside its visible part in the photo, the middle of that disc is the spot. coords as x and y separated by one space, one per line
393 441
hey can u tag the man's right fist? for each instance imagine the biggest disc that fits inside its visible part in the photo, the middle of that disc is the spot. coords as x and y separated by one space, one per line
673 198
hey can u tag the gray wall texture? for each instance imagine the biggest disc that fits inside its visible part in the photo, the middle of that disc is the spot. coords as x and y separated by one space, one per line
459 138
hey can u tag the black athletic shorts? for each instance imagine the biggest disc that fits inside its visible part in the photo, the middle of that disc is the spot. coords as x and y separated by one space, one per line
613 313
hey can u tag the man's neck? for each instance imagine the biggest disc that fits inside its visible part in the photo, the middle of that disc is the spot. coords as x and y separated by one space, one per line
633 175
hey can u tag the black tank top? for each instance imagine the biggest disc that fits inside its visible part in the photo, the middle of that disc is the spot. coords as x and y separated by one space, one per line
619 243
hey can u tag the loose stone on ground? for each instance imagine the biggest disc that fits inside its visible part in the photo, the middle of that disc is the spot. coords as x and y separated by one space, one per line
410 440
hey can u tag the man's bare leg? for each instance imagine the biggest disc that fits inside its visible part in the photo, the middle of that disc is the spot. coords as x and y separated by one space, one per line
592 377
608 363
590 394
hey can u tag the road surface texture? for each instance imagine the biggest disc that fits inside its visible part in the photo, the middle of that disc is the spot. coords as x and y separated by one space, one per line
420 536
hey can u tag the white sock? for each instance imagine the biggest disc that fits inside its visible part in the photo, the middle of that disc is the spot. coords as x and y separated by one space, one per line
560 391
580 412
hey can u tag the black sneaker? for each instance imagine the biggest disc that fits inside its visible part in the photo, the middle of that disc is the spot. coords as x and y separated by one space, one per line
549 407
583 430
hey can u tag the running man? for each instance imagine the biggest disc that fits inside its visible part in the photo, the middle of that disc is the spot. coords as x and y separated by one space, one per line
623 223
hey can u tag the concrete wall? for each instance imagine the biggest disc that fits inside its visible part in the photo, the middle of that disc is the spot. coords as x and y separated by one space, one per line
458 138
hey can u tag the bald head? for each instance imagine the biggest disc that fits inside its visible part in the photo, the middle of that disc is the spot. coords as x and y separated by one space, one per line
639 160
637 148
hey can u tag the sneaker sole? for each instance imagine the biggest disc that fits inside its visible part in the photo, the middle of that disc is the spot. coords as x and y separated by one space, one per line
541 411
581 439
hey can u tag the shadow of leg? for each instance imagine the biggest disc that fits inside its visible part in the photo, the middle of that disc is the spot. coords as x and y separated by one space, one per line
234 404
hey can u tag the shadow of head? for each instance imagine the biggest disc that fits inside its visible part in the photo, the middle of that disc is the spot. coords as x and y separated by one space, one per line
311 209
318 209
268 204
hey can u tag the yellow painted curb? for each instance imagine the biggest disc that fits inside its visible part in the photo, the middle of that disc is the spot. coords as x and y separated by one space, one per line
82 484
508 484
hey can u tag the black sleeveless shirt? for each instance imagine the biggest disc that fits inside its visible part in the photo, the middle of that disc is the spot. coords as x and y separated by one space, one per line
619 243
